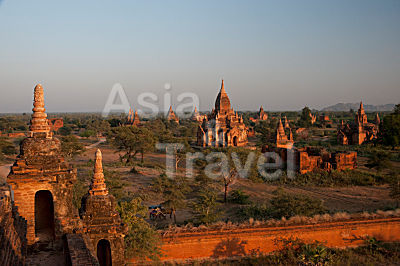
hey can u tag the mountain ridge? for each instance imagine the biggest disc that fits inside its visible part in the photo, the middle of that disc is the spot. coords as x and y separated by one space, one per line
344 107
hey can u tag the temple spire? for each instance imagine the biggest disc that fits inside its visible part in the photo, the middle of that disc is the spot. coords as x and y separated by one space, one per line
280 130
39 122
98 186
222 87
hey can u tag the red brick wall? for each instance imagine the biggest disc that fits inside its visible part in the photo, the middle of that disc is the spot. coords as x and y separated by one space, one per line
240 242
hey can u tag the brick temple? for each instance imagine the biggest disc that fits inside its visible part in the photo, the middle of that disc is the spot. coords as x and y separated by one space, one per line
223 127
283 137
171 116
133 118
359 131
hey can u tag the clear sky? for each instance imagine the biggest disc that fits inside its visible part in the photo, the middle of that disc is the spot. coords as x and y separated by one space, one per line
279 54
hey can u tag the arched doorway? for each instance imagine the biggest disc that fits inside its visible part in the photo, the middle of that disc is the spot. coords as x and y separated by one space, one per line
104 253
44 215
235 141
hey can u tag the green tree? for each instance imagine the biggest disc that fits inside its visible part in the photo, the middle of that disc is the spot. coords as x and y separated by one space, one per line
133 140
70 146
142 240
64 131
305 117
173 191
205 206
87 133
390 129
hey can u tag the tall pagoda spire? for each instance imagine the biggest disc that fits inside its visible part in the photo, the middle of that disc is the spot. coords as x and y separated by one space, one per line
222 103
39 122
98 186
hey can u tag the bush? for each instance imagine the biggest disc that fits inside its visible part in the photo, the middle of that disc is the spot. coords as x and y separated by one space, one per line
287 205
239 197
334 178
257 212
283 205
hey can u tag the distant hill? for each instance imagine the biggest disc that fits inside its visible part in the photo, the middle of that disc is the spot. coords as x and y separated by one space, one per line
340 107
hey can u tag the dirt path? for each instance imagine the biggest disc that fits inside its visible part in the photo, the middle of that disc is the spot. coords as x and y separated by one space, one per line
91 146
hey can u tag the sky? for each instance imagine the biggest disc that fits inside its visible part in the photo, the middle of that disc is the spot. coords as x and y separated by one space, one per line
282 54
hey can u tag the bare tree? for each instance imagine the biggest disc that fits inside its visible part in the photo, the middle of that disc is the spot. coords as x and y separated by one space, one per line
228 178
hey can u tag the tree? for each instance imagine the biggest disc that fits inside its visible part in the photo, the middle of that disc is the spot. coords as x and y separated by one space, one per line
173 191
98 126
395 187
87 133
390 129
70 146
141 240
65 131
397 109
379 160
228 178
205 206
132 140
305 117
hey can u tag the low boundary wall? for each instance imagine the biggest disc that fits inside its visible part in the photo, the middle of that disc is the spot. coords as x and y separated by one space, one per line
246 241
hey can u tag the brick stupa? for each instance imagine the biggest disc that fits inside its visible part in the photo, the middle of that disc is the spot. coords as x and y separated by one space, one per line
101 221
42 181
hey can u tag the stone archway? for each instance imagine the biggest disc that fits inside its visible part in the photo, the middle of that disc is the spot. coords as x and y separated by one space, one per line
104 253
44 216
235 141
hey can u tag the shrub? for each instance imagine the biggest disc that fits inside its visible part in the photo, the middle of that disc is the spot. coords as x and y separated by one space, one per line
239 197
257 212
287 205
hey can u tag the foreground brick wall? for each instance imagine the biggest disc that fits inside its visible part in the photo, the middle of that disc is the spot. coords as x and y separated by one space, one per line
76 251
242 242
12 232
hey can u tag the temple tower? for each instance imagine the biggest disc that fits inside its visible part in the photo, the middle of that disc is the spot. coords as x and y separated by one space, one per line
171 116
42 181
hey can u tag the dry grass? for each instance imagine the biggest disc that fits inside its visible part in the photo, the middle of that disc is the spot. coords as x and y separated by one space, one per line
295 220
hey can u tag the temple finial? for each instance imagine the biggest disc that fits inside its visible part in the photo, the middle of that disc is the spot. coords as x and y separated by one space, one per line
222 87
98 186
39 122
